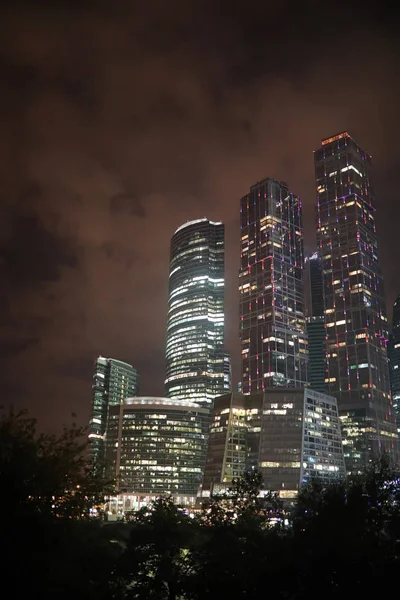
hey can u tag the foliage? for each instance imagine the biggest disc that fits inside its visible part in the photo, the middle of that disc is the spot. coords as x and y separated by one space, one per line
50 546
225 551
347 534
155 563
243 502
238 544
45 473
343 539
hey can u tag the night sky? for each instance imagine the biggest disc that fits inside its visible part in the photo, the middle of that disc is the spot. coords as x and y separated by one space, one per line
117 125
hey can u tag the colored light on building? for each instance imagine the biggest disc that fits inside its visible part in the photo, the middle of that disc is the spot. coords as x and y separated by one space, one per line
273 340
335 138
356 331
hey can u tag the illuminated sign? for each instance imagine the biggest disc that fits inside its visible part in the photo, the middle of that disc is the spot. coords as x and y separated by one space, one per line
335 138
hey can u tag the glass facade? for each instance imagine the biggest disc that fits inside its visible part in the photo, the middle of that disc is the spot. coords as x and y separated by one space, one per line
198 368
354 307
316 285
113 381
315 324
272 333
228 454
300 440
291 435
157 446
394 360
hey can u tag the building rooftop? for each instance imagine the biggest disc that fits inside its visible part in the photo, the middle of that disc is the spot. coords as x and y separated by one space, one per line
168 403
269 178
115 360
336 137
203 220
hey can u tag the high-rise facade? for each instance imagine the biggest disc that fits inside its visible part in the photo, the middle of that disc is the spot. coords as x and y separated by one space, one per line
272 333
113 381
290 435
315 322
394 360
354 307
198 368
156 446
316 285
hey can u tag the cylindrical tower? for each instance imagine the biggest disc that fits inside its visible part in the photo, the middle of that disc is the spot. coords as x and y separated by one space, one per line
197 366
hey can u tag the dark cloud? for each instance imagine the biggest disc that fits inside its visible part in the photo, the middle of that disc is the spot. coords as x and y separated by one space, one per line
33 255
127 204
13 347
114 252
121 120
76 367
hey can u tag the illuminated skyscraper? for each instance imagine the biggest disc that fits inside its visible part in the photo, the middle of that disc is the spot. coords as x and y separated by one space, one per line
198 368
156 446
113 381
355 312
394 360
273 341
315 323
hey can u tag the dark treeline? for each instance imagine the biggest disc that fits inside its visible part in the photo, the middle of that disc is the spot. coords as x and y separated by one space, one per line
342 540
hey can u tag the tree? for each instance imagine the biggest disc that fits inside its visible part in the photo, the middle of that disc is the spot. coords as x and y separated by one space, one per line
50 547
244 502
346 535
155 564
45 473
238 548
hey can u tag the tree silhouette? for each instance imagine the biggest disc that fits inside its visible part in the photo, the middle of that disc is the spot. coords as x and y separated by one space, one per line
343 540
346 535
155 563
50 546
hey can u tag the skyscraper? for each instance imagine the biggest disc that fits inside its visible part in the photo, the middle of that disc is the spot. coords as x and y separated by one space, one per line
394 360
113 381
273 340
198 368
355 313
315 323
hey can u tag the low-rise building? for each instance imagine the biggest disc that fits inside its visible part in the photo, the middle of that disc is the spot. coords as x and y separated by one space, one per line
156 447
291 435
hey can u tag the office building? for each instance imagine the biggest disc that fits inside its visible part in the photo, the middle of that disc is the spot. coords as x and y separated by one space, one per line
272 328
156 446
357 371
198 368
315 322
394 360
113 381
290 435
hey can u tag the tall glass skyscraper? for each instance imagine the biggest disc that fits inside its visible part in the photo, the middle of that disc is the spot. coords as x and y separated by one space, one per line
355 312
198 368
315 323
113 381
394 360
272 334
